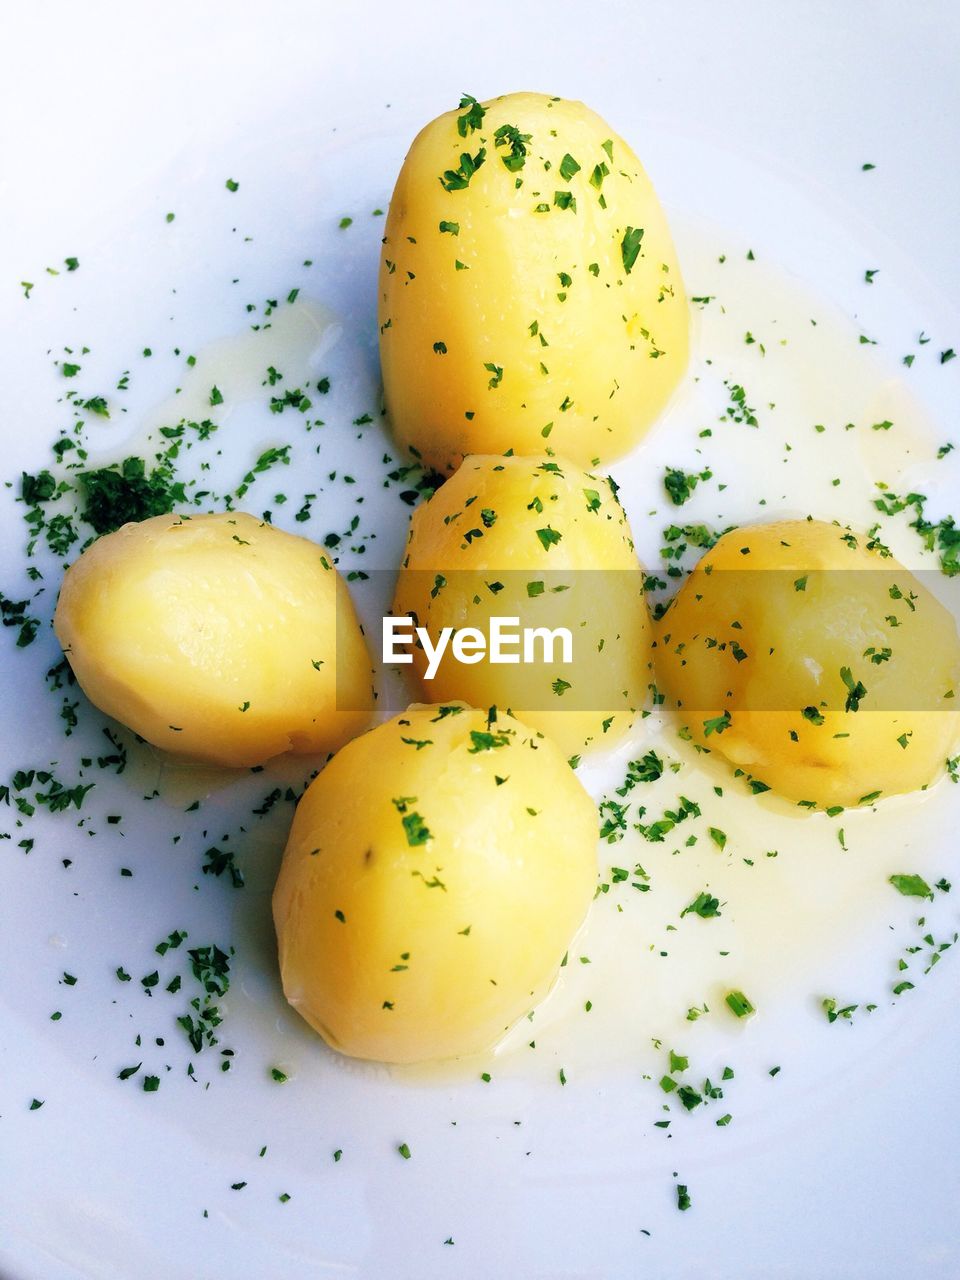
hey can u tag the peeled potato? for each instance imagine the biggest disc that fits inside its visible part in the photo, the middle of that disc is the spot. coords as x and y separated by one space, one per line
216 637
538 540
529 287
813 664
435 874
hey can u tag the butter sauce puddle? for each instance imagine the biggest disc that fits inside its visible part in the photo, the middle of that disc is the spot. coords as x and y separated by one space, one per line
815 920
296 339
792 926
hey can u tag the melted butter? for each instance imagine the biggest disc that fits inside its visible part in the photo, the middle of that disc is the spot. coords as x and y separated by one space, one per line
793 927
296 339
806 910
817 392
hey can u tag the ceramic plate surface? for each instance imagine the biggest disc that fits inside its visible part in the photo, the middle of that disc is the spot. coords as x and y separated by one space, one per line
797 149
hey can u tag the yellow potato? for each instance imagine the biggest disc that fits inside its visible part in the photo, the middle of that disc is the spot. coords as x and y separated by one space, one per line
540 541
217 637
435 874
813 664
532 300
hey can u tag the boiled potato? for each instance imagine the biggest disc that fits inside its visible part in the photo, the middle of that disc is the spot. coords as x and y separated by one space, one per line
813 664
216 637
542 542
529 289
435 874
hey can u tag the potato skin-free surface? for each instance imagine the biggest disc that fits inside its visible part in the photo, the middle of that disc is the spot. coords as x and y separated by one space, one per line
813 664
524 307
435 874
540 540
216 637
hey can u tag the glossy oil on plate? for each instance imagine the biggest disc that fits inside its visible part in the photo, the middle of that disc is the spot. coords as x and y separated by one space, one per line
194 200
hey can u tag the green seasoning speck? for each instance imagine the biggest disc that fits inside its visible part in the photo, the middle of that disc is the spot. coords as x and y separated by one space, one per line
681 484
911 886
856 691
738 1004
704 905
459 178
568 167
630 247
232 185
404 1150
829 1006
416 830
509 136
472 117
119 494
717 724
486 741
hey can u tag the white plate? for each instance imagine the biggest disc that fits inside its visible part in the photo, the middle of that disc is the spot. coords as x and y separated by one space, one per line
754 123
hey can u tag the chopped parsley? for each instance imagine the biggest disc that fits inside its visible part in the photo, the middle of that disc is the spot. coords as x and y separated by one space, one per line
415 829
681 484
123 492
739 1004
856 691
509 137
912 886
568 167
630 247
704 905
458 179
472 117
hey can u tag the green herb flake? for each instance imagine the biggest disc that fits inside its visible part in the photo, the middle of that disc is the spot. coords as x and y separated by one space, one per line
509 136
416 830
472 117
738 1004
630 247
706 906
487 741
716 724
458 179
911 886
568 167
856 691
